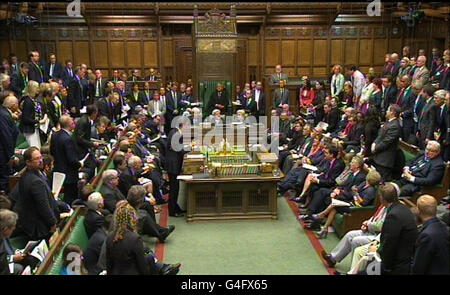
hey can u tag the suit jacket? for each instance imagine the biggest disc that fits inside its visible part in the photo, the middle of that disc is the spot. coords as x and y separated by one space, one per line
127 179
432 249
331 173
63 150
154 108
389 97
261 105
135 101
174 159
82 136
250 107
441 124
332 119
74 94
126 256
215 99
346 193
66 77
422 74
111 196
354 135
92 252
17 84
36 206
4 253
28 120
427 120
185 101
275 78
427 173
386 143
105 108
36 72
93 88
93 222
280 98
398 236
8 135
57 71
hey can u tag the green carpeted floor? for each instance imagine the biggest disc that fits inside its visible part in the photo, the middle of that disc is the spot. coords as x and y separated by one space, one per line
245 247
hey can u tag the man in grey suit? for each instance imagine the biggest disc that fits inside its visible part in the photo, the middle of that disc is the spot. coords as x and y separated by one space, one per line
421 73
280 96
384 148
156 106
277 76
427 118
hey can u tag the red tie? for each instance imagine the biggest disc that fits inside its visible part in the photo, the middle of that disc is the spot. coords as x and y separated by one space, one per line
400 96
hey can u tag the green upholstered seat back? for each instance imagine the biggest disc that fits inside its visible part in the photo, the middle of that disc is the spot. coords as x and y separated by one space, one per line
78 236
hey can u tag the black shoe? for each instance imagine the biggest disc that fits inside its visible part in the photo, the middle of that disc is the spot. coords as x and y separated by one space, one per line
330 261
164 236
178 214
314 226
182 211
170 269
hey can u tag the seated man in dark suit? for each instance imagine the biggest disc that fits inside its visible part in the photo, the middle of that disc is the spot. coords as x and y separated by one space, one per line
432 246
331 117
111 194
94 217
218 100
424 170
93 249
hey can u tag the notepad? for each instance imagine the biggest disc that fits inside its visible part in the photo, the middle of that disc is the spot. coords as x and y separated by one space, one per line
184 177
339 203
309 167
195 156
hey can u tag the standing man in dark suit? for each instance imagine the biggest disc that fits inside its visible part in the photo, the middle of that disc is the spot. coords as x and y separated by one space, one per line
8 138
67 74
405 100
398 234
384 149
419 103
36 72
277 76
427 119
97 89
75 93
63 150
389 93
36 206
110 107
280 96
53 70
432 246
424 170
260 99
14 63
20 79
174 163
441 112
218 100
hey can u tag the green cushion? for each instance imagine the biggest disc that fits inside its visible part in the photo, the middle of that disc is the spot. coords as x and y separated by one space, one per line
21 143
77 236
408 155
18 242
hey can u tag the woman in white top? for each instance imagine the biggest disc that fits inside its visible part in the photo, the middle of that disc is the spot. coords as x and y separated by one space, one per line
337 82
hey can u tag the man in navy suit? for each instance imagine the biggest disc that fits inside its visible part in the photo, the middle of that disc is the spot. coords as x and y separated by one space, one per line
53 70
36 72
431 255
75 93
62 148
8 137
424 170
67 74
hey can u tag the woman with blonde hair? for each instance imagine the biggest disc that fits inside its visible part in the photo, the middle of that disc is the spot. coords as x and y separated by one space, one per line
32 115
337 83
404 67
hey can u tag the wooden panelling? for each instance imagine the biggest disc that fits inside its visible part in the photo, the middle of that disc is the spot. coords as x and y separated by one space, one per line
253 52
320 52
379 51
351 51
290 71
117 54
167 53
150 54
134 54
101 54
288 53
64 50
365 51
319 71
304 52
336 51
395 45
81 53
272 53
20 49
4 48
303 71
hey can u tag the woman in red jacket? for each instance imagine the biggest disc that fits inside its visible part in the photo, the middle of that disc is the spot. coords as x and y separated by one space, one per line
307 94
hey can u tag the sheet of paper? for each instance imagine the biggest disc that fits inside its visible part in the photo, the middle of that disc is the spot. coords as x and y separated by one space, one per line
26 271
40 251
195 156
83 110
295 156
58 180
29 247
309 167
44 127
339 203
184 177
84 159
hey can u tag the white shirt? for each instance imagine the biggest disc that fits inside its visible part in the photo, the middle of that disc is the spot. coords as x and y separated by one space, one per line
257 92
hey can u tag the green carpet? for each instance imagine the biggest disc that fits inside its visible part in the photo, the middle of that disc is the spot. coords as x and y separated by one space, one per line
243 247
328 244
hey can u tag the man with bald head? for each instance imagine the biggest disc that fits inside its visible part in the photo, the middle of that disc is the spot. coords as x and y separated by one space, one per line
62 148
431 255
8 138
421 73
277 76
